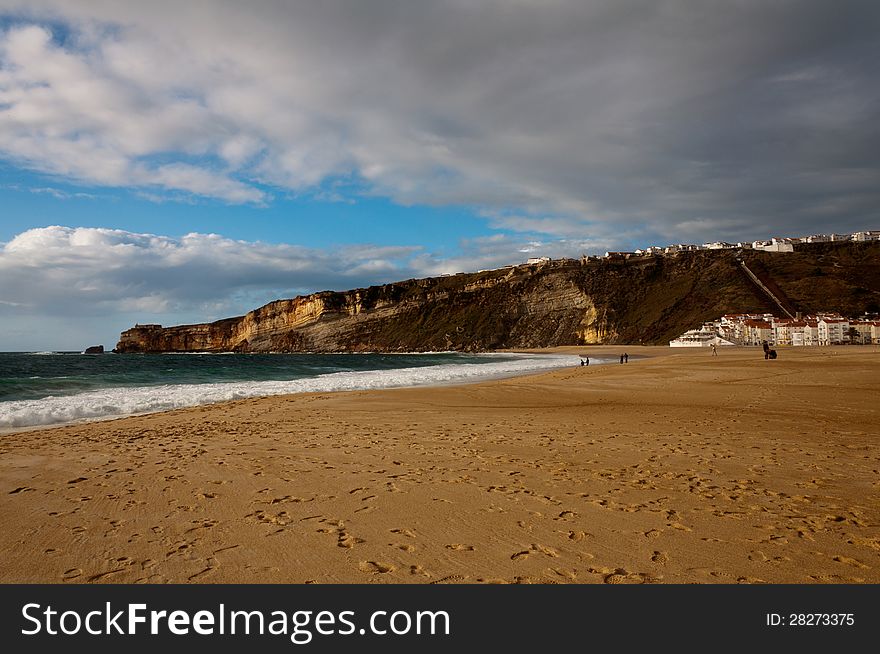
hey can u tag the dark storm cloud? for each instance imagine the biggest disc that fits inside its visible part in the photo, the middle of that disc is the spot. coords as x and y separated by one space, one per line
663 121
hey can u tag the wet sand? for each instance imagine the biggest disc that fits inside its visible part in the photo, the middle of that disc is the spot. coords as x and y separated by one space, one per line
680 467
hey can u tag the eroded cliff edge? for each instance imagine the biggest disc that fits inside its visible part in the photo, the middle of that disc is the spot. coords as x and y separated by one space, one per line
641 300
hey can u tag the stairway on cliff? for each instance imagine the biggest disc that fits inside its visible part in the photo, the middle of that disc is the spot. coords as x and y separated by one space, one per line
765 287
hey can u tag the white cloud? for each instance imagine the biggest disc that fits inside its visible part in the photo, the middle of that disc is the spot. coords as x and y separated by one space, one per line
64 270
67 112
60 194
577 118
108 279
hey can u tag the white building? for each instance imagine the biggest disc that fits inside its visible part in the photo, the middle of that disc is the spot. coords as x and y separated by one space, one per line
776 245
866 331
717 245
737 327
796 332
782 331
706 336
804 333
757 331
833 331
811 333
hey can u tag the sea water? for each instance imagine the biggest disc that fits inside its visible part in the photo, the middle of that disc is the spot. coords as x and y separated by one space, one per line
44 388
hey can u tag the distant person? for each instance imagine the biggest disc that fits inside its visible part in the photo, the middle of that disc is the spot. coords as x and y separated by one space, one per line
586 361
621 359
625 357
771 354
582 363
714 350
766 349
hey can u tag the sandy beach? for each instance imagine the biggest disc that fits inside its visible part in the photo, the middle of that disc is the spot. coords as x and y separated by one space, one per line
677 467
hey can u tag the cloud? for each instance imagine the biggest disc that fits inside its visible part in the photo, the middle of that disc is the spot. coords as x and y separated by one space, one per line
68 113
60 194
95 271
573 119
61 287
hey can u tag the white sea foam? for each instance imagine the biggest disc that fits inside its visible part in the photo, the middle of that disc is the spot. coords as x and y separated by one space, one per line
113 402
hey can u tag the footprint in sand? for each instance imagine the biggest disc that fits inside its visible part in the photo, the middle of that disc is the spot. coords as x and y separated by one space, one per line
20 489
348 541
570 575
624 577
873 543
546 551
542 549
375 567
850 561
403 546
404 532
660 557
418 570
458 547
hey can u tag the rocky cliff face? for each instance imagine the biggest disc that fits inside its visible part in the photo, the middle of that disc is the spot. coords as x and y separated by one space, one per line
640 300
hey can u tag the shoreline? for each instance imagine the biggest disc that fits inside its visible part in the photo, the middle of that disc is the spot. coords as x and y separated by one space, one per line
561 350
641 353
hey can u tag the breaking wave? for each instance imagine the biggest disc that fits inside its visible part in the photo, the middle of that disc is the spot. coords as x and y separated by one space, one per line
122 401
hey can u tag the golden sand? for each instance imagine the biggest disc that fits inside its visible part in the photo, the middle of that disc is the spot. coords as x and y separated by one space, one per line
681 467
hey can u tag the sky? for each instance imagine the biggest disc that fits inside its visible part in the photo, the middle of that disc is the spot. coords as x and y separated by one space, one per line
181 162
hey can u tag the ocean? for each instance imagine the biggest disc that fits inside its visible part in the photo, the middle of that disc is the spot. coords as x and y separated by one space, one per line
46 388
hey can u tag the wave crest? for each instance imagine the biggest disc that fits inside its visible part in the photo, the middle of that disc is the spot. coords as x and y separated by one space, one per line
115 402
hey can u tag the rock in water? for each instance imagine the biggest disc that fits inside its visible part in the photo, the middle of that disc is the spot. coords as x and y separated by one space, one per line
95 349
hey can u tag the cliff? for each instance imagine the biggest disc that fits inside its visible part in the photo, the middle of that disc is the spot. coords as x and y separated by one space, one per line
639 300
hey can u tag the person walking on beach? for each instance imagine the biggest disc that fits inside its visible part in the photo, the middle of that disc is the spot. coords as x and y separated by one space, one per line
714 350
625 357
621 359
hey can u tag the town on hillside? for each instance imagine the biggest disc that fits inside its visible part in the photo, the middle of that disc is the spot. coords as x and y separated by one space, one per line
775 244
756 329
